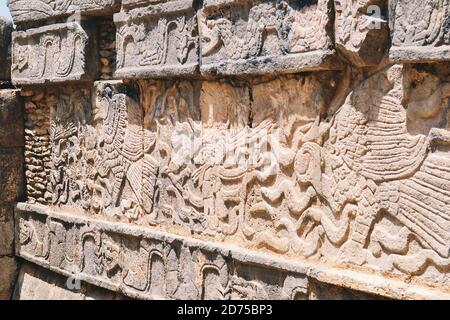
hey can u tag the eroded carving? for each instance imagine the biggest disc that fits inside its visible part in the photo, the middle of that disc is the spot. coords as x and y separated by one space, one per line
160 40
244 37
33 10
420 30
56 53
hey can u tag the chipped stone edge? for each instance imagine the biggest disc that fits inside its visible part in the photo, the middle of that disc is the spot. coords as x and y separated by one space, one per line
343 277
74 78
103 11
317 60
416 54
165 71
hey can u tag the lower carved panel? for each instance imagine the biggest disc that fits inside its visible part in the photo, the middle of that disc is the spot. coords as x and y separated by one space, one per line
149 264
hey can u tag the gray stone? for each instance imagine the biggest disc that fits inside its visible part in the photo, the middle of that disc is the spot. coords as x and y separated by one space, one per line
11 119
420 30
37 10
5 49
241 37
53 54
157 40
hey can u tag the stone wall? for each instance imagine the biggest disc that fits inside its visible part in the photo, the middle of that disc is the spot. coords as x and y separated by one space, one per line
11 163
234 149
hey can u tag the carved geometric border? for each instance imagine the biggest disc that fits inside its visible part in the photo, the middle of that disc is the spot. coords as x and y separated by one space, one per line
346 278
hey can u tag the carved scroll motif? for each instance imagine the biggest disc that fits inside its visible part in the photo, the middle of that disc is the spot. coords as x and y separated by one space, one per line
243 37
420 30
57 53
34 10
159 40
141 264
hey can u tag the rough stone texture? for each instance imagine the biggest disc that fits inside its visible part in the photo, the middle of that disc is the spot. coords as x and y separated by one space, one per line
420 30
362 30
11 119
8 274
57 53
6 230
35 283
283 156
11 174
241 37
35 10
158 40
5 42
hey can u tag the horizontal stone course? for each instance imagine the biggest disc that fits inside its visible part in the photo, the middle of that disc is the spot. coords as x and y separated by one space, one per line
123 258
420 31
40 10
54 54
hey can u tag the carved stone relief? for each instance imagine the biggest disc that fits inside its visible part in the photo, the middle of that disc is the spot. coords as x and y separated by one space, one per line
244 37
265 167
420 30
145 265
34 10
362 30
157 40
57 53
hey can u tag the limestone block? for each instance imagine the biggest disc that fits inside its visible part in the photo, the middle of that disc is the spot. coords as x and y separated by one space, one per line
362 30
37 10
5 49
157 40
11 175
11 119
259 37
54 54
35 283
6 230
8 273
146 263
420 30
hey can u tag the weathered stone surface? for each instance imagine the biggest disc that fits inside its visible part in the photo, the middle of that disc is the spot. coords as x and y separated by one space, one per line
6 230
53 54
268 166
420 30
259 37
36 10
8 274
11 119
281 157
5 50
144 263
362 30
157 40
11 175
35 283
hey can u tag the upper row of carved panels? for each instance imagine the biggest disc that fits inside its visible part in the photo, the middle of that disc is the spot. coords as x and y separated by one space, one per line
170 38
